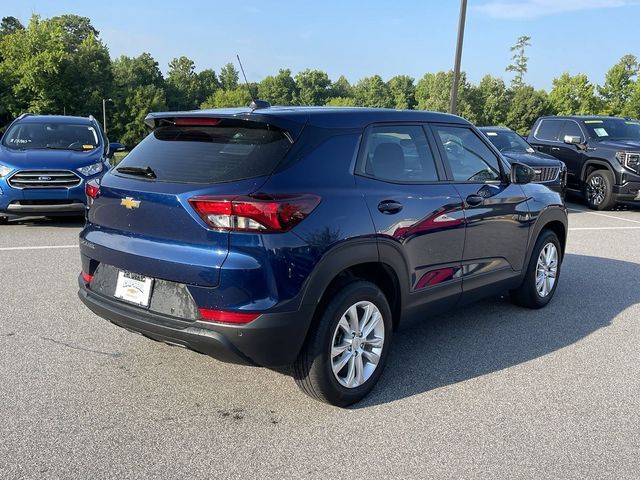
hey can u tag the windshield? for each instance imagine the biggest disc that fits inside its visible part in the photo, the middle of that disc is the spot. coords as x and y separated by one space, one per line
507 140
613 129
56 136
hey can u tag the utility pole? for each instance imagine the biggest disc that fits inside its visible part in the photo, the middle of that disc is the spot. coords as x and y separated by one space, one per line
104 113
453 107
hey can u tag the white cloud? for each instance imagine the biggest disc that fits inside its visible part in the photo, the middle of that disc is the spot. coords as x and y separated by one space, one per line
523 9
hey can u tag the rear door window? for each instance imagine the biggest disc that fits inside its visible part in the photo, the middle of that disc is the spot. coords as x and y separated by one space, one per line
399 153
548 130
229 150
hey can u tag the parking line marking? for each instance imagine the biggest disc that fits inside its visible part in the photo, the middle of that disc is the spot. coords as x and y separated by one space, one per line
44 247
602 215
603 228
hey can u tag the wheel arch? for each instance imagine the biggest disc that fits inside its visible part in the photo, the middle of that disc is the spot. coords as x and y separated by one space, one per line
593 164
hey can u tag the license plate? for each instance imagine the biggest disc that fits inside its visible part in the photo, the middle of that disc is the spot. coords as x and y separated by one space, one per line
134 288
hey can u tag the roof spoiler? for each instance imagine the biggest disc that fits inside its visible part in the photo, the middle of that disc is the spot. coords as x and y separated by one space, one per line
292 127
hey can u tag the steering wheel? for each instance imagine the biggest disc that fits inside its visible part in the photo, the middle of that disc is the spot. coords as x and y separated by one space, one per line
76 146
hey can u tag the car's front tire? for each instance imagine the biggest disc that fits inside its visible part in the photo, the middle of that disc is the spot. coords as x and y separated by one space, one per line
347 348
598 190
542 275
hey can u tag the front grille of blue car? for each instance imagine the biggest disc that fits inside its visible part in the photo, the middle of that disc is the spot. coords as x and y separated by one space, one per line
44 179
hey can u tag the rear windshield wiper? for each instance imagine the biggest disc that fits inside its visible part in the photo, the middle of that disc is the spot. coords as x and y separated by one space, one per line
134 170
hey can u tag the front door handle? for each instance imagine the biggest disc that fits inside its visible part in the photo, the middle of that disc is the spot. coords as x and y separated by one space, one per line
389 207
474 200
555 149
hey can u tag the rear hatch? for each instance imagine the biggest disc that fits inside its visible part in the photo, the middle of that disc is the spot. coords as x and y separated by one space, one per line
141 219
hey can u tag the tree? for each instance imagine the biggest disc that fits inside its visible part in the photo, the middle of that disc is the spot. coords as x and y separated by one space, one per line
619 85
403 92
32 61
279 89
182 84
372 92
573 95
138 88
10 25
519 61
208 84
433 92
238 97
341 88
526 106
341 102
492 102
314 87
229 77
76 30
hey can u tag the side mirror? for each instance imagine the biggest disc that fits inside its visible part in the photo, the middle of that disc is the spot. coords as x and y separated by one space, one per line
521 173
572 139
115 147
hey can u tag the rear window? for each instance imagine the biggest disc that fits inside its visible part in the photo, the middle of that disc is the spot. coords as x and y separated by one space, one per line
228 151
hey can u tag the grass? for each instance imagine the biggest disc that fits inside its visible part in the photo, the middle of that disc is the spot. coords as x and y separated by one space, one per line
118 157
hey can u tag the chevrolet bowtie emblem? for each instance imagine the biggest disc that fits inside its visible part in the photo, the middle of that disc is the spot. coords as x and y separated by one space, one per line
130 203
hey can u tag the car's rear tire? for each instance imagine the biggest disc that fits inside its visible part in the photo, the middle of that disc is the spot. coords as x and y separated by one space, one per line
542 275
4 220
347 348
598 190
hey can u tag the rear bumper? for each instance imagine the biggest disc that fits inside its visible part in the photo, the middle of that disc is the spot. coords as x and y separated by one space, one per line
272 340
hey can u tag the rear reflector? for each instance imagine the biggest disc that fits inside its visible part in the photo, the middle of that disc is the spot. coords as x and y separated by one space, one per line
227 317
92 189
255 213
86 277
182 121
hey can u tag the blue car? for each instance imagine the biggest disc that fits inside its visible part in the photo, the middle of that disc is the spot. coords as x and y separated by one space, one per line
304 236
45 161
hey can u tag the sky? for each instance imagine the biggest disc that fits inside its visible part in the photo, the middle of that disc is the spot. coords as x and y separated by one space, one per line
360 38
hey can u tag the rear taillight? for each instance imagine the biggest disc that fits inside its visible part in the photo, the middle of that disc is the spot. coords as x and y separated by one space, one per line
227 317
255 213
92 189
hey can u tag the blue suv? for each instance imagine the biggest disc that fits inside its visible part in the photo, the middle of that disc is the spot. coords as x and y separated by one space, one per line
304 236
45 161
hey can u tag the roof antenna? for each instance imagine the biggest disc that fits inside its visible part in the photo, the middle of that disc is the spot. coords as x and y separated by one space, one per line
255 103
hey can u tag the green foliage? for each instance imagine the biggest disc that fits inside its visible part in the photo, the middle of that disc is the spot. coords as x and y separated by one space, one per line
279 89
527 105
372 92
314 87
341 88
229 77
573 95
403 92
433 92
138 88
519 61
619 86
238 97
10 25
341 102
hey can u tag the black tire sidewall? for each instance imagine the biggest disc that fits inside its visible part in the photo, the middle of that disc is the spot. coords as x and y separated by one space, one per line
608 201
352 293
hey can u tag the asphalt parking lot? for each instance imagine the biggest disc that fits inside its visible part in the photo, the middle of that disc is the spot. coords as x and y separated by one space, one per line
492 391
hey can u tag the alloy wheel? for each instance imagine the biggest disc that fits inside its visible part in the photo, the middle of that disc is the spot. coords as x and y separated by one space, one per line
596 189
546 269
357 344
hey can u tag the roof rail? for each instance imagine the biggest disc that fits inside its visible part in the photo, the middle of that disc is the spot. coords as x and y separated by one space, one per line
26 114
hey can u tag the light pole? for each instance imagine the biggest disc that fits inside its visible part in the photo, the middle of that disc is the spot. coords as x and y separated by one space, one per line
453 107
104 113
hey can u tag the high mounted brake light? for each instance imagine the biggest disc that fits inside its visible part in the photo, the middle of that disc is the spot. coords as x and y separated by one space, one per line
196 121
255 213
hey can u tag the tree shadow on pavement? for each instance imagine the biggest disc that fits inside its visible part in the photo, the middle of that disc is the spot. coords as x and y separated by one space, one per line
493 335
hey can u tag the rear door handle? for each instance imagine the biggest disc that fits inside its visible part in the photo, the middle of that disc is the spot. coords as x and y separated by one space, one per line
389 207
474 200
555 149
